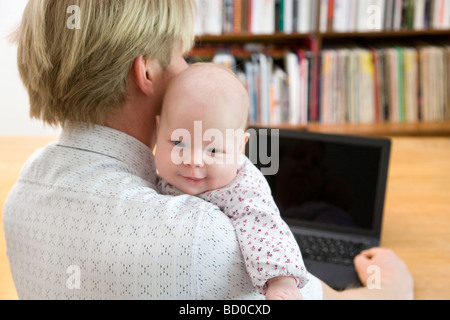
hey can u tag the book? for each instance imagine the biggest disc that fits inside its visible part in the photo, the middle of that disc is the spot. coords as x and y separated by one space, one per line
433 69
304 86
341 15
419 14
293 81
400 74
411 88
323 24
389 15
288 15
279 114
305 16
262 13
441 14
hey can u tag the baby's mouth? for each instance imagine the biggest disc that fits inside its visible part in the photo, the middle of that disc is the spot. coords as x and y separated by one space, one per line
194 180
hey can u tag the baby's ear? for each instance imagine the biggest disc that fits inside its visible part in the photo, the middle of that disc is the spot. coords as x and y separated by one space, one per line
244 142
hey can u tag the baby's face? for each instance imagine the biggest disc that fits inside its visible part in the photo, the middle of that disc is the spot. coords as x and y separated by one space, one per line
199 142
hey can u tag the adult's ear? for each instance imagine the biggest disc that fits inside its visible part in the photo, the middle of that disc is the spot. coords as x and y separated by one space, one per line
144 76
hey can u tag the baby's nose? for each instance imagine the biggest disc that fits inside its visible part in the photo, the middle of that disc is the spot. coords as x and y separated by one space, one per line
196 159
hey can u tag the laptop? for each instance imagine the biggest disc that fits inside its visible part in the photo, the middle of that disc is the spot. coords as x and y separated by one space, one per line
330 190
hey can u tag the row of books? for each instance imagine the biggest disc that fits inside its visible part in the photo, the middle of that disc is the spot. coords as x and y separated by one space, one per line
217 17
380 84
279 93
277 80
383 15
353 84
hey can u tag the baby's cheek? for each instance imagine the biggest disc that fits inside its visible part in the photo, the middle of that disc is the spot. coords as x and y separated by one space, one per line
163 165
223 176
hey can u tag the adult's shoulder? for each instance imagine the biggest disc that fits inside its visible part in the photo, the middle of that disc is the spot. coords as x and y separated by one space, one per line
208 238
219 265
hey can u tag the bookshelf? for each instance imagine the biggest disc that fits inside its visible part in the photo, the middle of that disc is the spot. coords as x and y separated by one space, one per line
322 39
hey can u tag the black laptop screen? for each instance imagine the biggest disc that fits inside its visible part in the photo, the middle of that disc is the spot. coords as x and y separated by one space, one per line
329 181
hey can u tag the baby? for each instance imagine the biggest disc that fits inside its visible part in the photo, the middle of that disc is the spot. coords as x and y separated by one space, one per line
200 144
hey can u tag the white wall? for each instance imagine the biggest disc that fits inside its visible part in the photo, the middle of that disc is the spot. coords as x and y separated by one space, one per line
14 106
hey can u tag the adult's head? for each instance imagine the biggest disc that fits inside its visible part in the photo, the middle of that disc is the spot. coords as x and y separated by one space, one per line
83 74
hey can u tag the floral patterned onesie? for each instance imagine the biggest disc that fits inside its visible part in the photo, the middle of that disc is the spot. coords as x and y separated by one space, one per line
268 246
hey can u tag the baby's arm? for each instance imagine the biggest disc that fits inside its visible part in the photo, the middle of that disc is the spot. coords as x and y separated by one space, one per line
269 249
283 288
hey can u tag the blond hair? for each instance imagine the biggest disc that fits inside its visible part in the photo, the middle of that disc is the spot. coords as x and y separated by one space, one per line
80 75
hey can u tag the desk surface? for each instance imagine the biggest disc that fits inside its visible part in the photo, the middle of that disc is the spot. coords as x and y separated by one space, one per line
417 211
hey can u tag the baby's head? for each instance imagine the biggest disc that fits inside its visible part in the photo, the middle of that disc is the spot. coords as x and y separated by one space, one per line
201 130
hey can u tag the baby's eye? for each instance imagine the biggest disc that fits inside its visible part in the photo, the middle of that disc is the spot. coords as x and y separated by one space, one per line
214 152
178 144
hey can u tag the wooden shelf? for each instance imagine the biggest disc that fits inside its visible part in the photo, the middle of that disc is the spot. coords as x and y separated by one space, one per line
253 38
283 37
419 129
385 34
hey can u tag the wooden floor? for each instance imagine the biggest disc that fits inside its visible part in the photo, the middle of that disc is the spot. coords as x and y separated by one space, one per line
417 211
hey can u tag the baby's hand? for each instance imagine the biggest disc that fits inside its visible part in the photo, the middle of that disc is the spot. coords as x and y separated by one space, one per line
283 288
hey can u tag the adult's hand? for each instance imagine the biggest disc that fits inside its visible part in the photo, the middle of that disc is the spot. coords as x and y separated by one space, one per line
394 282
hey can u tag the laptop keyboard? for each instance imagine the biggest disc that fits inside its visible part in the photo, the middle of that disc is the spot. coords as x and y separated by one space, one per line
328 249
